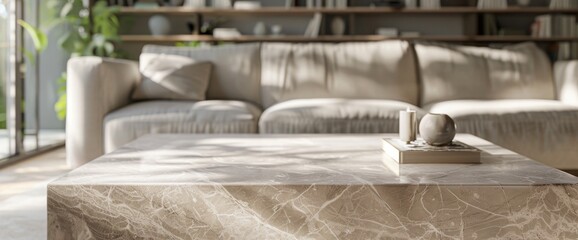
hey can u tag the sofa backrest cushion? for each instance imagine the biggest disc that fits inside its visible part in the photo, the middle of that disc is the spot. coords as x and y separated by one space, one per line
371 70
236 73
449 72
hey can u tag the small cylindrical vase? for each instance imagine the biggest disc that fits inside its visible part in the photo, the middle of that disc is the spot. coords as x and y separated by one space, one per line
407 125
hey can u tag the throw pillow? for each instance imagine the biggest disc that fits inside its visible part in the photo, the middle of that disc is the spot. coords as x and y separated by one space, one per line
450 72
172 77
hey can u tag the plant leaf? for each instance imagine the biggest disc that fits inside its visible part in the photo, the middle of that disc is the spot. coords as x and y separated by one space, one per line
66 9
60 107
38 37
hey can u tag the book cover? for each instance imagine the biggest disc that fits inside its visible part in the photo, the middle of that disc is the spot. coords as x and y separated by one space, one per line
420 152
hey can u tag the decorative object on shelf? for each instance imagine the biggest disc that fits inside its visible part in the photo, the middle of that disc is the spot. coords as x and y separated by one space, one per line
410 3
208 26
387 3
437 129
191 26
289 3
524 3
563 4
338 26
310 3
260 29
222 3
226 33
195 3
276 30
407 125
430 4
171 3
492 4
159 25
387 32
318 3
247 5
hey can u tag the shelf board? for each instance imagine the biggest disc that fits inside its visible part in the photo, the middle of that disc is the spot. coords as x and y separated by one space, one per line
351 38
349 10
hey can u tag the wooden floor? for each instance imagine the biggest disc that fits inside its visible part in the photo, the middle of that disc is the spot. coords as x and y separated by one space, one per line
23 176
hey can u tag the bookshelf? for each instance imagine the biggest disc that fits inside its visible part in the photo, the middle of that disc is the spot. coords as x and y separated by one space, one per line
356 38
349 10
361 22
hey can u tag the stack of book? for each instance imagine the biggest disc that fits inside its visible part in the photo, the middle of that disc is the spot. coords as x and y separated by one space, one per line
492 4
226 33
555 26
419 152
557 4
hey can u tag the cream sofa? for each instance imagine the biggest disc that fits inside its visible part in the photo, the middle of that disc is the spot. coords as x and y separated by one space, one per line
512 97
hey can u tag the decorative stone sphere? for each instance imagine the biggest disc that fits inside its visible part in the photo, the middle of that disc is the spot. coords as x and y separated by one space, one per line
437 129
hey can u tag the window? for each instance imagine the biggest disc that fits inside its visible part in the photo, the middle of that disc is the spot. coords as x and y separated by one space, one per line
28 122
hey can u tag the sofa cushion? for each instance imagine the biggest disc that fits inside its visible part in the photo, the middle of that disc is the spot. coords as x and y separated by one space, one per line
172 77
371 70
544 130
448 72
133 121
236 71
333 116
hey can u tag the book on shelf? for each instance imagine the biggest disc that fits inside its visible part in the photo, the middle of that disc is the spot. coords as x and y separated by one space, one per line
314 26
563 4
387 32
314 3
195 3
246 5
226 33
222 3
430 4
490 24
492 4
340 3
567 51
420 152
559 25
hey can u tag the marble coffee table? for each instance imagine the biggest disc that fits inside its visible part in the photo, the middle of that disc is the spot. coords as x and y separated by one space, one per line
306 187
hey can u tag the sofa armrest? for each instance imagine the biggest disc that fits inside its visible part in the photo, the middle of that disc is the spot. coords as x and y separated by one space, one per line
95 87
566 75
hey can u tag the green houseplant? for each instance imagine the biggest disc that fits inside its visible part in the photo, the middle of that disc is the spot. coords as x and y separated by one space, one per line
40 41
98 37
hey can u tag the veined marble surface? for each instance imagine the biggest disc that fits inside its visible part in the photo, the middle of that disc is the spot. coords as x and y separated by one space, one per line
306 187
